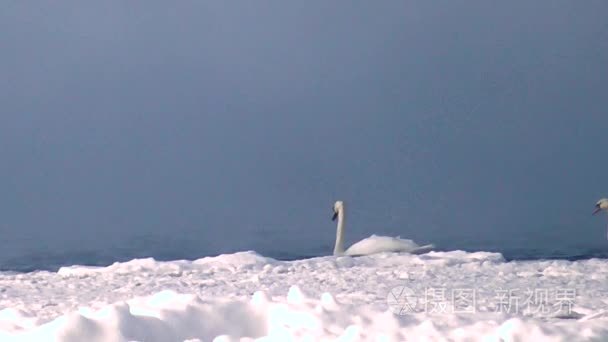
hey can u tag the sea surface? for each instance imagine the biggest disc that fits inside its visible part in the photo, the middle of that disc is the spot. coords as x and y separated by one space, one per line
26 253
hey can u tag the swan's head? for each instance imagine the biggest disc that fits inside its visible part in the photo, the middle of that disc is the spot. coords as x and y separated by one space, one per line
601 205
338 206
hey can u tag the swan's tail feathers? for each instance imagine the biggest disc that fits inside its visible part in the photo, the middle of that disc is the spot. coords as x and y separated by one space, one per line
423 249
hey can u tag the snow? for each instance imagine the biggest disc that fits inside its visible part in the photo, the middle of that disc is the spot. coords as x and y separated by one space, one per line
445 296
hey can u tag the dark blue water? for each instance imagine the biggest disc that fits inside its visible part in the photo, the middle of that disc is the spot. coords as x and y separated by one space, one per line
26 254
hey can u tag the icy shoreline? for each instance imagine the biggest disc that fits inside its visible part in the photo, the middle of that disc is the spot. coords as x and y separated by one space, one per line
454 296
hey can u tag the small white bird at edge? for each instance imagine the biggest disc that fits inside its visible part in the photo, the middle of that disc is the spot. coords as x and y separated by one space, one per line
602 204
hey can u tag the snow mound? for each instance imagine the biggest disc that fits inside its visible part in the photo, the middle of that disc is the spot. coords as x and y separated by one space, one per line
447 296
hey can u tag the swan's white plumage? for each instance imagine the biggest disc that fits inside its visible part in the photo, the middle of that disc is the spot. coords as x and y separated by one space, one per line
373 244
378 244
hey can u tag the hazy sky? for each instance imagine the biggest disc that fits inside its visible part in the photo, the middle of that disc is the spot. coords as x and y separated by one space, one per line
236 125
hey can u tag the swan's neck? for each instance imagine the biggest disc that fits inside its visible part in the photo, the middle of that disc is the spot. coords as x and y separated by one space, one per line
339 248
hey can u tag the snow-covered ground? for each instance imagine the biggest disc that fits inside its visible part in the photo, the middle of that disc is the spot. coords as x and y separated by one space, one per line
450 296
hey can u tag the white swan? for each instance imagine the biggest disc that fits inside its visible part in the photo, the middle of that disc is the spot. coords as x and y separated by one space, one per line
602 204
372 244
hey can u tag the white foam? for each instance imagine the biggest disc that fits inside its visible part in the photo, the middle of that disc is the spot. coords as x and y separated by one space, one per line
384 297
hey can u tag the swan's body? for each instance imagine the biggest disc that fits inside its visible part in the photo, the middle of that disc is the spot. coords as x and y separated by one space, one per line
373 244
601 205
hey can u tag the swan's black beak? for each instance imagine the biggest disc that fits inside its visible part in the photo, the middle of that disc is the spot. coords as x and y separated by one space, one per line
333 218
597 210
